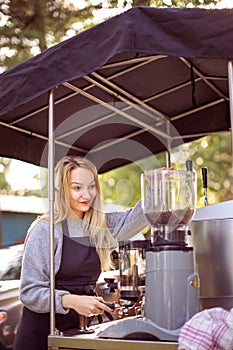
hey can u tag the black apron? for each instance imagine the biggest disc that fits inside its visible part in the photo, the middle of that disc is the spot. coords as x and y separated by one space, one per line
78 273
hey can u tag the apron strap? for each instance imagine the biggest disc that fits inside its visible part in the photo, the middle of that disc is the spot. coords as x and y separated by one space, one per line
65 228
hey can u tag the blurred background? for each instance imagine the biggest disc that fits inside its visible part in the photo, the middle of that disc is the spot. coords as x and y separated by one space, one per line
28 28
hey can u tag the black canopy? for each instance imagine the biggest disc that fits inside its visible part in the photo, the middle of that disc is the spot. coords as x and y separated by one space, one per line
134 85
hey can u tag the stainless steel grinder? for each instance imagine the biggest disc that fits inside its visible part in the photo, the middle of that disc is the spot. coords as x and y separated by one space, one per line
168 201
171 293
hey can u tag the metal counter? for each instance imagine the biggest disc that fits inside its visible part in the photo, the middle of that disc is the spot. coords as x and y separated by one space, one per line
88 342
212 240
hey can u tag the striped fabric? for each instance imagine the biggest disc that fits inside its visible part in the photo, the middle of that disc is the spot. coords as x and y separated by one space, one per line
210 329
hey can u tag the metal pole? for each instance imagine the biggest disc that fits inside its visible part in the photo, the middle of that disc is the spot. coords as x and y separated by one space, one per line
51 208
230 80
168 151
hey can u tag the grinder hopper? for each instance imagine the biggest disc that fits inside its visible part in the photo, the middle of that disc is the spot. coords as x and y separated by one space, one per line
168 201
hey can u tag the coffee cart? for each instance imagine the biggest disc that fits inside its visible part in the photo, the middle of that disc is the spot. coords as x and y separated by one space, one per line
138 84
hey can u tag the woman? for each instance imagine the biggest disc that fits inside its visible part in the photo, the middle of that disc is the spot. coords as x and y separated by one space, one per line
84 239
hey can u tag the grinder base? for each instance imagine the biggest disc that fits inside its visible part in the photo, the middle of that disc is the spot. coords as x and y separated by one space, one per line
138 329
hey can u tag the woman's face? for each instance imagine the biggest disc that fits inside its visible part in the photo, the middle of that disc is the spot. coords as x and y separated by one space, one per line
82 189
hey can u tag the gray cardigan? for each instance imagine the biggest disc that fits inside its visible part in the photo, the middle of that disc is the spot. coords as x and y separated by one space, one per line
35 277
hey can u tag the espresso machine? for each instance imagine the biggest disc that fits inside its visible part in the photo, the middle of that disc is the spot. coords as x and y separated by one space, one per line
169 297
132 274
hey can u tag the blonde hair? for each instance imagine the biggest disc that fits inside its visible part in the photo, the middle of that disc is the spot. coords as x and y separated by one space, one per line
94 221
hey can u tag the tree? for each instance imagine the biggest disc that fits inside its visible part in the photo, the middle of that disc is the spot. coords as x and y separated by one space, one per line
214 153
29 27
4 167
122 185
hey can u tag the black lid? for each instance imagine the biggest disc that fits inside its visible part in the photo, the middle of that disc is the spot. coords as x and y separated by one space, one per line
159 248
144 243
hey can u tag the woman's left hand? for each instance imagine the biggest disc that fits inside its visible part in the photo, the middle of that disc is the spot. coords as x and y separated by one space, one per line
85 305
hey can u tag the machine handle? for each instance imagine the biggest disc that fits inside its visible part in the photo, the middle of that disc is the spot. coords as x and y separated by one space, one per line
112 306
204 184
204 177
189 165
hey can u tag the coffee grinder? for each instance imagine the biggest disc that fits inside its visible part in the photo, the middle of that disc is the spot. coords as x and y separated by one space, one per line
171 285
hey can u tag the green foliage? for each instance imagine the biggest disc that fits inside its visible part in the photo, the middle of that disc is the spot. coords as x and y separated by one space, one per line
30 27
214 153
4 167
122 185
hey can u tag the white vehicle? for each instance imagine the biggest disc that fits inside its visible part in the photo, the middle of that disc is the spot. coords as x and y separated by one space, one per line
10 305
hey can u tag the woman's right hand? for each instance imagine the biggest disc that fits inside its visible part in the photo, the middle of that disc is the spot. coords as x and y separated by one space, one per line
85 305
